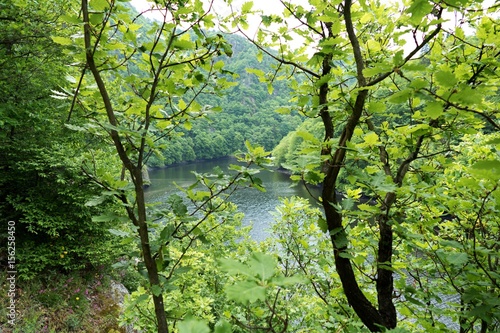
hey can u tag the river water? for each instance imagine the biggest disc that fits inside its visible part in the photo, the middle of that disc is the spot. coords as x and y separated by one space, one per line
257 206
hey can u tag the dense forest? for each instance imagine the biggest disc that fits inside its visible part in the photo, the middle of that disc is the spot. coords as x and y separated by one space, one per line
391 111
248 113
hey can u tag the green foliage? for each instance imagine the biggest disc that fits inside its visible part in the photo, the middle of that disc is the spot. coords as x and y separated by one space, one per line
298 151
42 187
261 274
248 113
292 287
395 120
54 225
462 249
410 141
193 326
187 297
147 98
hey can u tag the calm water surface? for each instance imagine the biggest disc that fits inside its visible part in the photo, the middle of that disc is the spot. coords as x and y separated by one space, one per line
257 206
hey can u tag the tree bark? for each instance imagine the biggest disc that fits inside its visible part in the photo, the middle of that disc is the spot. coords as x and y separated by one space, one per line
385 282
149 260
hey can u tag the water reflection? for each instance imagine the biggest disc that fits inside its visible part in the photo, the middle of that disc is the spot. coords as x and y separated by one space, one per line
257 206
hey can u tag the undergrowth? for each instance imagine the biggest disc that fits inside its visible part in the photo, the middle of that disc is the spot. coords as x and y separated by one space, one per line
57 302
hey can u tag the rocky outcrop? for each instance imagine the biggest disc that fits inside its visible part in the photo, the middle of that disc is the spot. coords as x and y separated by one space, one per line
145 176
117 294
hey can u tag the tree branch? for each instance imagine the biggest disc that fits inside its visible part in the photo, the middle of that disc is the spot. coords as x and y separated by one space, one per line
427 39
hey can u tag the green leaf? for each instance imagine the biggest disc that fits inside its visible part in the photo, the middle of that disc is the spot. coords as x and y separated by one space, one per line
176 203
488 169
322 80
451 243
263 265
487 165
313 177
414 301
257 152
415 67
376 107
418 84
99 4
383 183
322 224
228 50
398 58
418 129
222 326
482 311
70 19
246 7
367 208
246 292
259 56
283 110
418 9
120 265
457 259
192 325
307 137
141 298
339 238
445 78
289 280
257 184
270 88
494 141
377 69
219 65
156 290
96 201
434 110
346 255
401 96
371 139
62 40
259 73
234 267
105 218
167 231
96 18
182 105
183 44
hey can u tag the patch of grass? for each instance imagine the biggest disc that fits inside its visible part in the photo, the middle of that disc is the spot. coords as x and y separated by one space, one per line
62 303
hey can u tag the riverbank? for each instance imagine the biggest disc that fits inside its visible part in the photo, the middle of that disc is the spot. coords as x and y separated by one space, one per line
203 160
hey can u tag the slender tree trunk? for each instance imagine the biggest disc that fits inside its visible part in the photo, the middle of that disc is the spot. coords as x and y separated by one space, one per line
361 305
135 172
146 250
375 319
385 283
